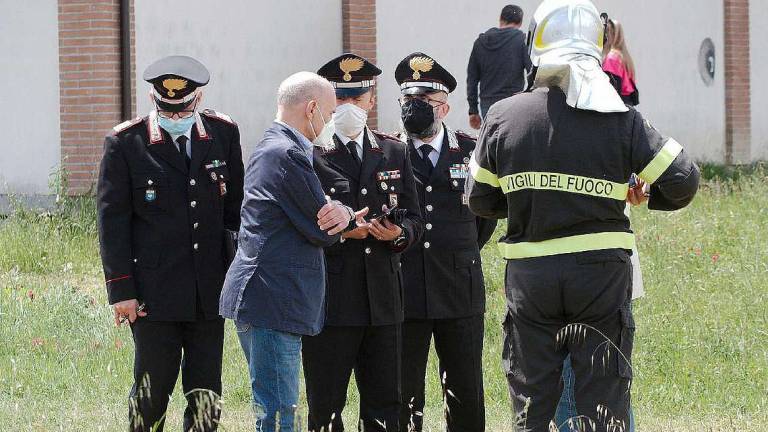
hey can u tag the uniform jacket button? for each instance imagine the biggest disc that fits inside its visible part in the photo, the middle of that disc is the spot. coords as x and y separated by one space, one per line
193 204
195 225
150 182
429 207
427 245
196 246
429 188
192 182
367 251
364 191
333 190
429 226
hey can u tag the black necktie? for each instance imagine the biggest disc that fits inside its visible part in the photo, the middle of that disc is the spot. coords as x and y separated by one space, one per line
352 147
426 150
182 140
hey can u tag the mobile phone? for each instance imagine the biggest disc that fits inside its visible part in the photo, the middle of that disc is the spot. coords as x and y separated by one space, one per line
381 216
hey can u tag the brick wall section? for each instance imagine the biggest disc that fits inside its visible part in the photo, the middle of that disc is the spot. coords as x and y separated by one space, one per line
359 34
89 75
737 82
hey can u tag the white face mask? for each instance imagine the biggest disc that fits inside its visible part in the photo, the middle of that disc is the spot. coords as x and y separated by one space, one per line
325 138
349 120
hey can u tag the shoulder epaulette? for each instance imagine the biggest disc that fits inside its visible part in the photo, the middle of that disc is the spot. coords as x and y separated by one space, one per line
387 136
127 124
463 134
218 115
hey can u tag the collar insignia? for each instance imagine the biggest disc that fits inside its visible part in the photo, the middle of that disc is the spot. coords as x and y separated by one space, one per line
372 139
453 142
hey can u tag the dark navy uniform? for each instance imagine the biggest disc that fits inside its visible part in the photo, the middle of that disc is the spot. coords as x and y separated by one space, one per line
364 295
443 275
560 177
162 229
445 289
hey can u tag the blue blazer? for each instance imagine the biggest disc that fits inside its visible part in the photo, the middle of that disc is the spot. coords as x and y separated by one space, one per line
277 279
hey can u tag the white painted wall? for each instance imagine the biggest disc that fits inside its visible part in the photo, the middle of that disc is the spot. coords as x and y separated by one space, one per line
29 90
248 46
664 39
758 16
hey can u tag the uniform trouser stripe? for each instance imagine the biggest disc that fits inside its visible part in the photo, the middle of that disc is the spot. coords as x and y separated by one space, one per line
565 245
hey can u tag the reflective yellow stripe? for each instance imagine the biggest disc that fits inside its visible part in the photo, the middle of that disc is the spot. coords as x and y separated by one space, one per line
565 245
661 162
565 183
482 175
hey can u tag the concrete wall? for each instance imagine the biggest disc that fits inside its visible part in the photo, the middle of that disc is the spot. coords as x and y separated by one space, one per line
664 38
248 48
29 87
759 58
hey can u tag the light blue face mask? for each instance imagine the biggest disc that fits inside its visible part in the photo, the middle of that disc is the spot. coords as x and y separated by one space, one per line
176 127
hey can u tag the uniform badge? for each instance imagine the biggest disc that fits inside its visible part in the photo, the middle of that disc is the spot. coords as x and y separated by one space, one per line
349 65
392 200
213 176
464 199
388 175
466 160
383 186
215 164
171 85
419 65
222 188
150 194
459 171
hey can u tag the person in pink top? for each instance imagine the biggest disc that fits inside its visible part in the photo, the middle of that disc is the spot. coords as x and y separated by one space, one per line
618 64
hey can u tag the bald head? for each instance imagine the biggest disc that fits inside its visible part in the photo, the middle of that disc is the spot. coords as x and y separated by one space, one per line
306 101
302 87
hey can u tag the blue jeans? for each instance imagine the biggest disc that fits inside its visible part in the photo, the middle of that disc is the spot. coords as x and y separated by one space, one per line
274 359
566 408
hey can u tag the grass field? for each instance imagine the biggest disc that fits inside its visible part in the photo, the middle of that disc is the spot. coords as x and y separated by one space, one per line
701 353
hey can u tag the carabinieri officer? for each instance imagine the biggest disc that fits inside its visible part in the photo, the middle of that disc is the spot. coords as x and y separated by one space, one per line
364 296
442 275
170 184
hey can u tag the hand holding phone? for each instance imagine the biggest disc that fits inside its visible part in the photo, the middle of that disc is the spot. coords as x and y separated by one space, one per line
385 213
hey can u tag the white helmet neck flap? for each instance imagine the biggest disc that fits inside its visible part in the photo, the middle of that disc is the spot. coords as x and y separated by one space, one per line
566 44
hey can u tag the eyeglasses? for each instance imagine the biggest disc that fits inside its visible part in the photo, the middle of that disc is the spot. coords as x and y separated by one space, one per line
402 100
183 114
176 115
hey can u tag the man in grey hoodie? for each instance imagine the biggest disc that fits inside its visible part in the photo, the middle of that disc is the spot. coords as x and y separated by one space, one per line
497 64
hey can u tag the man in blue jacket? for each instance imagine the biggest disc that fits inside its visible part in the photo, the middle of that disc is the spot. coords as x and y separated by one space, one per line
275 288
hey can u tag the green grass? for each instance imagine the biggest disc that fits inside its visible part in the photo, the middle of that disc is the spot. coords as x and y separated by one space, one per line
701 354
